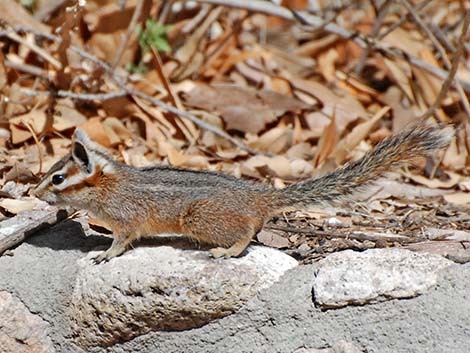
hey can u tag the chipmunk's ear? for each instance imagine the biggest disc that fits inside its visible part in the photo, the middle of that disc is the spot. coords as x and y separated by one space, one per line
81 136
80 152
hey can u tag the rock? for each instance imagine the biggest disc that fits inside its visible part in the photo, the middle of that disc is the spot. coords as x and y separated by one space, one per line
21 331
272 239
339 347
163 288
350 277
460 256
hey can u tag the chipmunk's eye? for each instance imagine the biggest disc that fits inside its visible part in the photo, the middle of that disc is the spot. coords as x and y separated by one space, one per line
58 178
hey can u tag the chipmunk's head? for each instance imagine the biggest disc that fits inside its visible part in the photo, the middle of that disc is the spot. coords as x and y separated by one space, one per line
71 180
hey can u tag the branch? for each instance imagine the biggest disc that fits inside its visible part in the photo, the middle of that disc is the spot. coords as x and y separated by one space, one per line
73 95
357 235
15 230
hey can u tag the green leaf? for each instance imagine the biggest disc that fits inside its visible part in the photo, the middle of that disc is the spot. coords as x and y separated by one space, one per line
154 35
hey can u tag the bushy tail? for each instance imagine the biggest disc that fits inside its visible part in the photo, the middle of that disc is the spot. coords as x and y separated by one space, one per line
416 141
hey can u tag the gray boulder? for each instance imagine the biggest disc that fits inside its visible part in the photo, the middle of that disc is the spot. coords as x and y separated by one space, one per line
350 277
163 288
20 330
339 347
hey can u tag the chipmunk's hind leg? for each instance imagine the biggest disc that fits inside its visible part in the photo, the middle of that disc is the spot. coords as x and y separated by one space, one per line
234 251
229 228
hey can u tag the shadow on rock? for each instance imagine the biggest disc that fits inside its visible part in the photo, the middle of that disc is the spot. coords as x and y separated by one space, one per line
68 235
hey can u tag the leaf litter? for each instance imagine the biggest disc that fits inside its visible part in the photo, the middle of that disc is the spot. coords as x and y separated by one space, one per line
299 100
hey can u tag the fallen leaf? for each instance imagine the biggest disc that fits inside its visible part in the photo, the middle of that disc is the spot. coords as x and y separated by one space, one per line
401 73
20 173
242 108
458 198
13 13
275 140
67 116
95 129
453 180
359 133
36 119
345 107
327 143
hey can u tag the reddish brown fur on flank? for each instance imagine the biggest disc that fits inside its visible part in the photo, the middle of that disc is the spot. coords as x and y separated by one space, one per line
211 207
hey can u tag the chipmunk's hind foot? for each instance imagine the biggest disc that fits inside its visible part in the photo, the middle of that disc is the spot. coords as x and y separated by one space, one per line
234 251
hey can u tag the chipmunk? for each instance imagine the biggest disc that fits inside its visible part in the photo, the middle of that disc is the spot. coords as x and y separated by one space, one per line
208 207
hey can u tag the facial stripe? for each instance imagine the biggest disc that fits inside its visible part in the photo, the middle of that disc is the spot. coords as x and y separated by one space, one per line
78 182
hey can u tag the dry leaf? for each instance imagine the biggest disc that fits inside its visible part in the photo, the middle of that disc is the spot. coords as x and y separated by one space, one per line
458 198
453 180
241 108
36 119
67 116
327 143
345 107
359 133
275 140
95 129
13 13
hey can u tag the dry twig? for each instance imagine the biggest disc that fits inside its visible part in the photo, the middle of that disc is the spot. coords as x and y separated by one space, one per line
17 229
345 235
80 96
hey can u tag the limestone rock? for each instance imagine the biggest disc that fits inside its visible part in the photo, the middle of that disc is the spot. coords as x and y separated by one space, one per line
350 277
163 288
339 347
21 331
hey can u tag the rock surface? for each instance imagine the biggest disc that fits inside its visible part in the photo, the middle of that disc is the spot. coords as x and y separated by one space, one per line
163 288
350 277
281 319
339 347
21 331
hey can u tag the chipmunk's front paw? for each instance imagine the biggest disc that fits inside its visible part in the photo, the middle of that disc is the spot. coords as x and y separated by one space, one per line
102 257
113 251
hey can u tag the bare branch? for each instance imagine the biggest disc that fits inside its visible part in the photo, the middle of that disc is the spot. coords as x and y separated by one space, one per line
15 230
80 96
372 236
